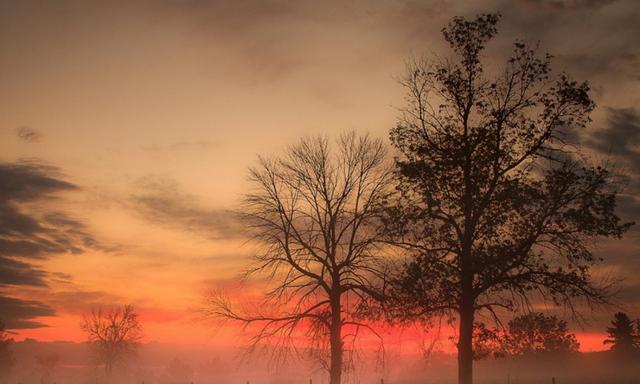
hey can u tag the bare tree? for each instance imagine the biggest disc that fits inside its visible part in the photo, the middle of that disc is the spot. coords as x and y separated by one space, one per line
114 334
315 213
495 206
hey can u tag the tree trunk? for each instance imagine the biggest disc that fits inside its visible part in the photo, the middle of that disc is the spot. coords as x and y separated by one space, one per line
467 296
465 342
335 369
466 312
108 367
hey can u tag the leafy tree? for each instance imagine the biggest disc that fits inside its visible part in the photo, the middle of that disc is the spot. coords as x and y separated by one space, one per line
535 333
624 334
486 342
526 335
114 334
315 213
493 206
6 355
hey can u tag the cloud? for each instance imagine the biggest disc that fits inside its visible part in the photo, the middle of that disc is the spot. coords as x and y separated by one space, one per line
180 146
29 135
20 314
620 138
161 201
621 61
629 207
61 277
570 4
14 272
267 42
604 51
29 232
79 301
29 180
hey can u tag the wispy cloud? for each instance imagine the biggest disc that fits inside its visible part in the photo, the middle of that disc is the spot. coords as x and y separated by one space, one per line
186 145
28 134
81 301
161 201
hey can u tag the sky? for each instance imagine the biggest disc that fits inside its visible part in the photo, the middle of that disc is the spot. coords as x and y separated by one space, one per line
127 128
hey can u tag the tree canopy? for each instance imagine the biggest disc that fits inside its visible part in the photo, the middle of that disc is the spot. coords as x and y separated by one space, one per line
531 334
495 208
623 334
114 334
315 215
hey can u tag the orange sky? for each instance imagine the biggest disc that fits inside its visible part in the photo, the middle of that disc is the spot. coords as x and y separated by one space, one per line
155 110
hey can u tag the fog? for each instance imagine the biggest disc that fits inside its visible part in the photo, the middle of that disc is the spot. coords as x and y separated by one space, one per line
177 364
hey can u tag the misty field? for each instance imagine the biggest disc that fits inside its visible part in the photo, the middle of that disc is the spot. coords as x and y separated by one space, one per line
157 363
319 192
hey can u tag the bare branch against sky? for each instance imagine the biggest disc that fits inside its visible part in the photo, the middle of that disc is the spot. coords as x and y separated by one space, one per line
314 213
128 126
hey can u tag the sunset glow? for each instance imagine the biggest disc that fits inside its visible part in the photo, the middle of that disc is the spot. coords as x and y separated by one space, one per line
139 122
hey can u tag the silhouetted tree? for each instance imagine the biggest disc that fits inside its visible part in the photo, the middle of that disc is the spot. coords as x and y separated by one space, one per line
113 334
315 212
623 335
178 372
535 333
493 206
486 342
6 355
47 363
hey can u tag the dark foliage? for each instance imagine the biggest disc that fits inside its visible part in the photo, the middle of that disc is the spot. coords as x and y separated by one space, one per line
624 334
493 205
532 334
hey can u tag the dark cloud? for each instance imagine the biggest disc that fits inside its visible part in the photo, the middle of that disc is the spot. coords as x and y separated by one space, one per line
619 140
589 39
620 137
161 201
29 135
30 233
622 61
20 314
570 4
16 273
30 180
629 207
629 292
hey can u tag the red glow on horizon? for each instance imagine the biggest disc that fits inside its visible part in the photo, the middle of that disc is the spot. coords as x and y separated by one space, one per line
178 327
